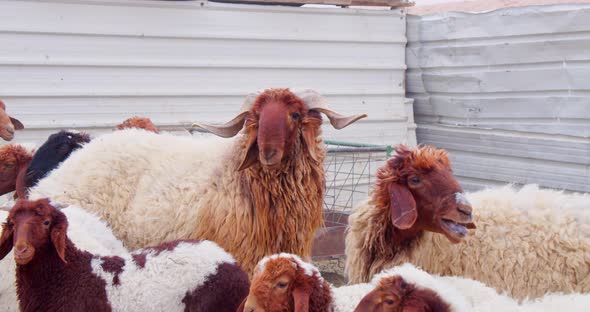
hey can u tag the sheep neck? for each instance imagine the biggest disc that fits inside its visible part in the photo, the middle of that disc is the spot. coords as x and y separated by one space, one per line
48 284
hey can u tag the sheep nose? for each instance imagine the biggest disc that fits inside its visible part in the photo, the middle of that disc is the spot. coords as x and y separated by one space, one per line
21 249
269 154
10 130
465 211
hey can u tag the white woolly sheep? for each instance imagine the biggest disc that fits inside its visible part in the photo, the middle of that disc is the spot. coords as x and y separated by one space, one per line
258 194
527 243
87 231
54 275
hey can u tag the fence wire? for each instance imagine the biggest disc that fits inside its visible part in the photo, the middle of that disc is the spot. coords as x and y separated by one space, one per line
350 170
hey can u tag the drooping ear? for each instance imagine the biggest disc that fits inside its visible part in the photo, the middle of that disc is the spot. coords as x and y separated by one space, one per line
301 299
367 304
251 156
402 206
17 124
242 305
58 237
6 241
309 128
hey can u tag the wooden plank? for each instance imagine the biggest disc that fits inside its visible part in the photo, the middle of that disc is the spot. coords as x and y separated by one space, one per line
384 3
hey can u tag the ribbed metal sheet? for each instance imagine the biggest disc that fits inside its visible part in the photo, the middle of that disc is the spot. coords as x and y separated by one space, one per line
506 92
91 64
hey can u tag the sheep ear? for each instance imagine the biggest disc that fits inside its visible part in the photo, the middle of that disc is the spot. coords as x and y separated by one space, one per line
252 154
58 238
6 241
242 305
17 124
301 299
309 133
403 206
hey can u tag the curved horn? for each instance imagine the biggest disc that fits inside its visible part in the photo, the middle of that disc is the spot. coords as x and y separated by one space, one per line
232 127
317 102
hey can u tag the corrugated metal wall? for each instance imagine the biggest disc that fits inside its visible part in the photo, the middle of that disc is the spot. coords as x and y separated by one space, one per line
507 92
91 64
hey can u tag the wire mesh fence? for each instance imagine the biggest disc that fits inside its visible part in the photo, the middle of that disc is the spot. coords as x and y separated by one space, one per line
350 169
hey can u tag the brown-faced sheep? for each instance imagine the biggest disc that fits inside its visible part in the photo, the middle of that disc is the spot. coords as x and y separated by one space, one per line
525 252
14 160
54 275
258 194
139 123
8 124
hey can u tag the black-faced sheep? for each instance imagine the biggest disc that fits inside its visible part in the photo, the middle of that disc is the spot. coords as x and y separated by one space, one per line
525 252
258 194
54 275
52 153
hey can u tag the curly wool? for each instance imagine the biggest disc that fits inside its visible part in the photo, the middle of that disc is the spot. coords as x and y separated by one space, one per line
164 187
527 243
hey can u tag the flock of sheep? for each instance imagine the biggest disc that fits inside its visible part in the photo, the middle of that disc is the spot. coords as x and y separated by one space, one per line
138 220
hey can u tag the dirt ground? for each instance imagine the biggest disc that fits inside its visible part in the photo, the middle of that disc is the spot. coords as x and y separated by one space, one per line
482 5
332 270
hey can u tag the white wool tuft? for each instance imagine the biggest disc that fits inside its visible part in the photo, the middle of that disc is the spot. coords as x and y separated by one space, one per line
308 269
461 199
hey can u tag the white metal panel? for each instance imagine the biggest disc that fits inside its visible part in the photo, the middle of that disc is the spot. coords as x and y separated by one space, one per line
506 92
91 64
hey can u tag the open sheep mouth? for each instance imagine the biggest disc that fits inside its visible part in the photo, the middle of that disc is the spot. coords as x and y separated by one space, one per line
456 228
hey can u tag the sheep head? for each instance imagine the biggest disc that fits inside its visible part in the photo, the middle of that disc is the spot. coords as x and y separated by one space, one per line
275 120
139 123
56 149
284 283
14 160
394 294
33 226
8 124
418 189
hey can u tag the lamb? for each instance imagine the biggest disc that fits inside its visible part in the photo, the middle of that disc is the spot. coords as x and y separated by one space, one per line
258 194
525 252
139 123
14 160
87 231
284 282
58 147
455 294
54 275
8 124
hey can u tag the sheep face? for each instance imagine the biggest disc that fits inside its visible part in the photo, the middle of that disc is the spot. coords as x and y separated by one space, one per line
138 122
276 121
284 283
9 167
423 194
8 124
56 149
33 226
393 294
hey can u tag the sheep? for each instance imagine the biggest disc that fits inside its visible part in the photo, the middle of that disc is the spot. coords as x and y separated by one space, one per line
525 252
14 160
257 194
54 275
138 122
58 147
88 232
284 282
458 294
8 124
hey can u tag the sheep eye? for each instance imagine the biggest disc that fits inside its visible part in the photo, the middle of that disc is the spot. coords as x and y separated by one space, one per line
8 165
281 285
46 223
415 180
389 301
295 116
